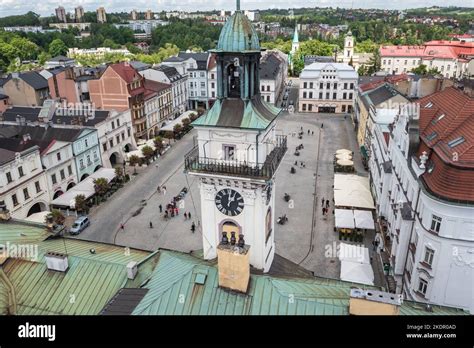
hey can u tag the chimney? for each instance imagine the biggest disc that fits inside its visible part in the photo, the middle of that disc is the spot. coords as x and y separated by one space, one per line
372 302
56 262
233 261
26 138
132 270
4 212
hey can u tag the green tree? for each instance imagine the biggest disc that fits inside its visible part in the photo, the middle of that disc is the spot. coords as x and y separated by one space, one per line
134 160
158 142
101 186
25 48
148 152
80 203
57 48
56 217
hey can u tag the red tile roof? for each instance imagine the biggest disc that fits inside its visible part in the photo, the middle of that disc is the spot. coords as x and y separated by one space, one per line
153 88
126 71
430 50
447 135
393 79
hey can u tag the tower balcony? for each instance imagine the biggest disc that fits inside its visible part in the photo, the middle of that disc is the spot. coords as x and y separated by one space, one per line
263 171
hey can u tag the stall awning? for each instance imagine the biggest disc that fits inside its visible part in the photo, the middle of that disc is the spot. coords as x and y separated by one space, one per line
357 273
352 191
344 218
85 187
364 219
355 264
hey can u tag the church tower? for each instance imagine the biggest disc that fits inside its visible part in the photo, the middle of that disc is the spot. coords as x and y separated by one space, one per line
295 45
348 47
238 150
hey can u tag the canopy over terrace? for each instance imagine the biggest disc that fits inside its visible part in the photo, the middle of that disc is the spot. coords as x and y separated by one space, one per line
352 191
361 219
355 264
169 127
85 187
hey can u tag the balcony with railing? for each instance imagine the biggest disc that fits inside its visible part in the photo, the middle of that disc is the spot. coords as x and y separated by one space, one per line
195 164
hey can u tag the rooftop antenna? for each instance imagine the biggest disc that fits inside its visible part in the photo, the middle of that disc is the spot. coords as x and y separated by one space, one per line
238 5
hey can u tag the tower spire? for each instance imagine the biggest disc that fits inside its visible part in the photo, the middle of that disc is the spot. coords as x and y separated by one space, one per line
238 5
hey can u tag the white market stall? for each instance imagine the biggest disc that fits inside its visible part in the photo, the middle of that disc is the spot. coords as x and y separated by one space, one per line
344 219
352 191
355 264
364 220
85 187
357 273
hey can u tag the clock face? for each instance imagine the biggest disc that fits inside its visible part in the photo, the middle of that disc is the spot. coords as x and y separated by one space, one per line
229 202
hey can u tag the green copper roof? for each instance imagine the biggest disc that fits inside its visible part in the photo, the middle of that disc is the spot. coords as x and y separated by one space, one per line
295 36
176 288
236 113
238 35
27 287
22 233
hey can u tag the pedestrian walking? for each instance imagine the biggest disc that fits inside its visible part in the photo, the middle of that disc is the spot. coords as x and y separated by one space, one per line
151 224
189 215
159 189
324 211
322 125
308 131
122 227
322 202
193 227
327 203
185 216
176 211
312 132
161 208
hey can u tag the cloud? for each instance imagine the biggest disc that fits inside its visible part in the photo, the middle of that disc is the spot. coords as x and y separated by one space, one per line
46 7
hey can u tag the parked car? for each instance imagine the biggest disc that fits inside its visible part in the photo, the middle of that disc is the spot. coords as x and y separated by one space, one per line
79 225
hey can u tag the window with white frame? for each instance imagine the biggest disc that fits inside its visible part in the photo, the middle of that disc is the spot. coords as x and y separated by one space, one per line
422 286
229 152
435 223
429 255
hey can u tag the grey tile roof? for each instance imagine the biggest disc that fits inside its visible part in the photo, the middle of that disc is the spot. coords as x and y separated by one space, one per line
124 302
269 67
38 133
60 59
6 156
34 79
200 58
170 72
381 94
29 113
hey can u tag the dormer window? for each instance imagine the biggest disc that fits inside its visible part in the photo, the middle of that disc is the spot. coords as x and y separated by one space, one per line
432 136
439 118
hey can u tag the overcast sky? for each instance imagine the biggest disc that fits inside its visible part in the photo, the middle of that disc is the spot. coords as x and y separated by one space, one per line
46 7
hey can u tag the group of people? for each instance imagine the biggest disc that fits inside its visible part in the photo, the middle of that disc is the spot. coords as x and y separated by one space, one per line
162 189
325 206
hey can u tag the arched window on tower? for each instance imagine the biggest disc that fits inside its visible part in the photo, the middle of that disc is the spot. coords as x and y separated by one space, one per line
233 82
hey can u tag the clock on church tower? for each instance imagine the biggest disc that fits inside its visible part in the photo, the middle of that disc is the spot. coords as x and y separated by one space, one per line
238 150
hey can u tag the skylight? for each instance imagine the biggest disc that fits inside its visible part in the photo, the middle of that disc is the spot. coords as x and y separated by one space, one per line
432 136
429 105
439 118
456 142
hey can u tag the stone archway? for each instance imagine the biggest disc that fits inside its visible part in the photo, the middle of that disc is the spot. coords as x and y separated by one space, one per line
116 159
57 194
70 186
127 148
37 208
84 177
97 168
